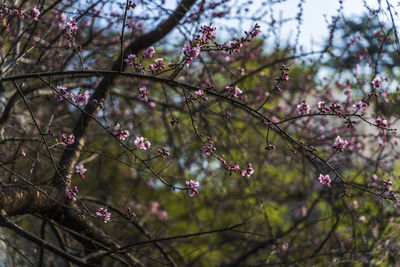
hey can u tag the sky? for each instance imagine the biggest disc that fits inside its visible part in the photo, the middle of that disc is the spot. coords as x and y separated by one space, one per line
316 14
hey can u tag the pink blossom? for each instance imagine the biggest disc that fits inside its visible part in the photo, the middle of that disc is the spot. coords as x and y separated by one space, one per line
208 149
142 143
63 93
303 108
359 104
157 66
130 60
104 214
207 35
249 171
376 83
149 52
362 219
99 103
199 93
70 28
123 134
163 152
117 129
325 179
131 214
190 52
193 187
79 98
321 105
237 92
35 13
67 141
340 144
144 93
71 194
80 169
382 123
236 167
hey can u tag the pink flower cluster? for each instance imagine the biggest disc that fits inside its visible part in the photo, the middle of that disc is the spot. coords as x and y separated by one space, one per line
209 147
235 92
340 144
80 169
71 194
122 134
131 214
377 82
303 108
381 122
253 33
207 35
99 103
284 77
201 94
35 13
157 66
190 52
130 60
80 98
9 12
142 143
104 214
193 187
360 105
63 93
149 52
67 141
325 180
69 30
143 94
249 171
163 152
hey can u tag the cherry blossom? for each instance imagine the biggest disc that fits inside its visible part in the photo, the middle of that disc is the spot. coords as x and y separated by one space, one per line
376 83
193 187
104 214
190 52
359 105
130 60
325 180
149 52
80 169
381 122
67 141
163 152
142 143
79 98
303 108
157 66
340 144
35 13
63 93
249 171
122 134
143 95
71 194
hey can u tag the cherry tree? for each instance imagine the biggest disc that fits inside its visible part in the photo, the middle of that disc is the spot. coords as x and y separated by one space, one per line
155 133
